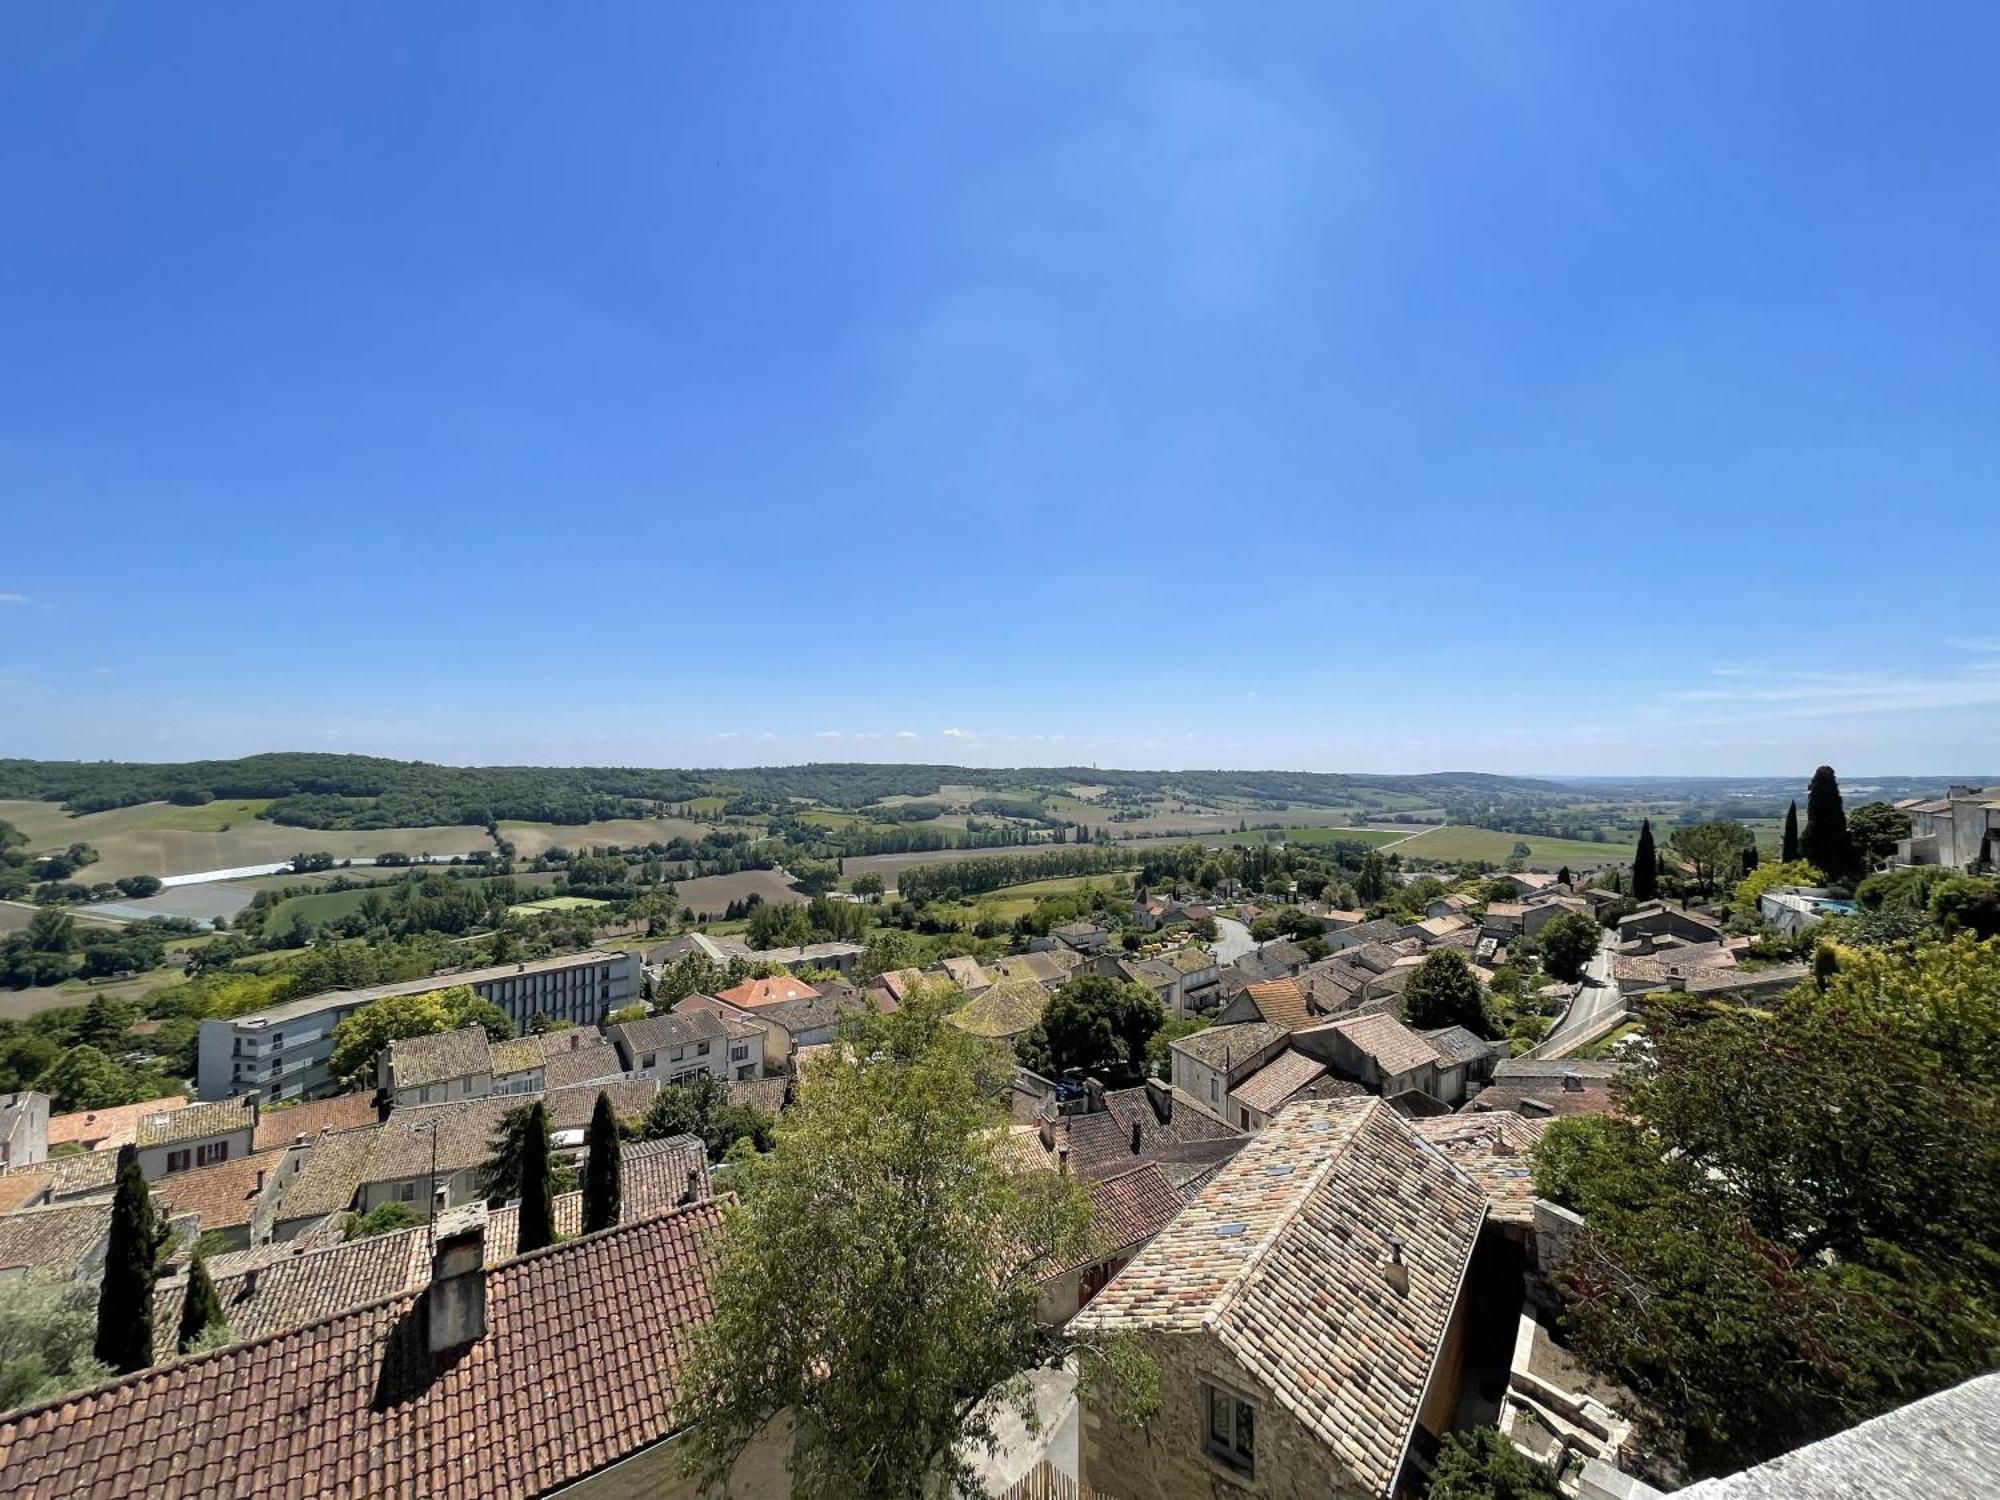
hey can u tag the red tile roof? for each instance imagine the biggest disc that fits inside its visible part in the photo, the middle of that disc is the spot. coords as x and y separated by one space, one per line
752 993
108 1129
278 1127
565 1381
1128 1210
223 1195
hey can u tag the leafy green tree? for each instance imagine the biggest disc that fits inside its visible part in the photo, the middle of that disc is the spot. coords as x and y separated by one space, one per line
1483 1465
691 974
603 1173
702 1108
1094 1024
1645 865
1874 828
1967 903
1445 992
1825 841
201 1308
879 1279
51 931
84 1078
504 1175
360 1040
384 1218
46 1331
1788 849
125 1297
1715 849
1568 943
869 886
541 1025
1372 883
538 1208
1790 1224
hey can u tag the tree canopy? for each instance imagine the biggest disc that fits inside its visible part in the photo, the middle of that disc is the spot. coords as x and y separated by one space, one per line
1645 865
1825 841
1096 1025
1791 1223
359 1040
879 1278
131 1255
1568 943
1445 992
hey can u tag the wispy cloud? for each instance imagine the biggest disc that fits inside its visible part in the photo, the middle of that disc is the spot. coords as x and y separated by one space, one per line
13 598
956 734
1985 643
906 734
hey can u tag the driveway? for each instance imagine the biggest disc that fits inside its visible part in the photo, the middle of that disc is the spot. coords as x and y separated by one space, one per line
1597 998
1232 940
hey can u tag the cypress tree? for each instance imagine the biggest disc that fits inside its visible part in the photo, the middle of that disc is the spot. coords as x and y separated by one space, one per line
201 1309
1825 841
603 1186
538 1209
1790 851
1645 865
125 1300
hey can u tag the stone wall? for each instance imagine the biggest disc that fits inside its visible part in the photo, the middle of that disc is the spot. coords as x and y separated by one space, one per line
1165 1461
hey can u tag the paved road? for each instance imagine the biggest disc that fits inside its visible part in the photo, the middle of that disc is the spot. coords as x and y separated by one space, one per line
1232 940
1597 999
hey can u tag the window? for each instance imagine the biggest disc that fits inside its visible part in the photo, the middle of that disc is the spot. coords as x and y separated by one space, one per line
1232 1432
701 1049
1243 1116
738 1051
179 1161
1214 1090
207 1155
406 1192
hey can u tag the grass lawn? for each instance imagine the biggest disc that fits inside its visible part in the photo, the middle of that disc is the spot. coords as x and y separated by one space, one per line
322 906
1010 901
554 903
1461 842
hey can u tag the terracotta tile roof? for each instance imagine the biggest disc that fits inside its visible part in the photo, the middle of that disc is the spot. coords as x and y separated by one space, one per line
1282 1261
1216 1045
585 1065
278 1127
520 1055
1491 1149
1100 1144
1003 1010
570 1109
331 1172
767 1094
108 1129
1458 1044
1393 1047
565 1381
1536 1098
1271 1085
1127 1210
222 1195
193 1122
1281 1002
444 1055
57 1239
300 1285
73 1175
900 983
22 1186
752 993
685 1028
1050 968
1189 960
965 972
566 1039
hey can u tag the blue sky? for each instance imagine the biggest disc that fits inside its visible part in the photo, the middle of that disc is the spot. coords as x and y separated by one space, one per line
1508 387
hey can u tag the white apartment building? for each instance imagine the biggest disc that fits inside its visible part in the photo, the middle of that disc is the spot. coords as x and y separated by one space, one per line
280 1052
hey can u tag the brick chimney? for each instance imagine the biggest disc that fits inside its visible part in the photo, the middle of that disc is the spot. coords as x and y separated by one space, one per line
455 1302
1161 1097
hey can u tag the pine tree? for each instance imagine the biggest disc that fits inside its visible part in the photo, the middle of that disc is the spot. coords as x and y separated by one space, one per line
538 1209
125 1301
1645 865
603 1188
201 1309
1790 851
1825 842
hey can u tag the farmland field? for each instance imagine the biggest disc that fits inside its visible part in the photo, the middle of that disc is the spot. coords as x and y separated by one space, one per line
1375 838
889 866
1011 901
554 904
531 839
713 893
1458 842
157 838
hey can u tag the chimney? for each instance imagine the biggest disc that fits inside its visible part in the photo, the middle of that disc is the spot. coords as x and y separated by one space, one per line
250 1282
1093 1093
260 1182
1062 1159
455 1302
1161 1096
1136 1137
1571 1083
1047 1131
1395 1272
